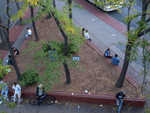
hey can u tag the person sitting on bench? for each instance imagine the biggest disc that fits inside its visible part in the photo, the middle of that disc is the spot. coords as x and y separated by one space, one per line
9 61
16 51
28 34
107 53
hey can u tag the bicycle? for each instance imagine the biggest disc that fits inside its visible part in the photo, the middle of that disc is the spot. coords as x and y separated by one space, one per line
49 100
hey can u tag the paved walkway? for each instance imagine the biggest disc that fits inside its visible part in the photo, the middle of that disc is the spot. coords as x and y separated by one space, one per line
67 107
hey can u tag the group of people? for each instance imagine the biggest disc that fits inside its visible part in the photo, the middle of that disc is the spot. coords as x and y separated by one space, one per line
16 53
16 89
40 92
15 50
115 60
85 33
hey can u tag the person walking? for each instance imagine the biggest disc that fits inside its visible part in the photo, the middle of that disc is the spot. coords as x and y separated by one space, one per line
119 100
87 36
28 34
107 53
16 51
115 60
17 92
4 90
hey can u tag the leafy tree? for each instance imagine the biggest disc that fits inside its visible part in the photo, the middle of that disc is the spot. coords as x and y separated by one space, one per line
1 33
134 35
33 24
20 13
18 8
6 29
3 69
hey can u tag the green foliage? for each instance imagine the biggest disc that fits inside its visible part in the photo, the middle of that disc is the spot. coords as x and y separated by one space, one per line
59 47
3 69
29 77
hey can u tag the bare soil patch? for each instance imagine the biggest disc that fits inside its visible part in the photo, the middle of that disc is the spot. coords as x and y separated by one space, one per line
98 75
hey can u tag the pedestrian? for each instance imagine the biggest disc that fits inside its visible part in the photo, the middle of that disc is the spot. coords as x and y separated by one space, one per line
83 31
119 100
4 90
115 60
40 92
107 53
87 36
17 93
16 51
28 34
9 61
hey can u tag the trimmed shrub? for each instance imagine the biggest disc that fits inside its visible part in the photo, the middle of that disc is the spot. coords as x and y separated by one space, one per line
29 77
59 47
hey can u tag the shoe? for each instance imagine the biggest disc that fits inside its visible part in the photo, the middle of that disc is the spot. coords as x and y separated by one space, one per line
18 105
1 102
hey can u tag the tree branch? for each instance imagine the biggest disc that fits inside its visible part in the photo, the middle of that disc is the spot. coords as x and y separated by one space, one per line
142 33
147 3
148 19
3 26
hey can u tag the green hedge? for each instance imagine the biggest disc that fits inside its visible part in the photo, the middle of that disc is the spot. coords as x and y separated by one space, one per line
29 77
59 47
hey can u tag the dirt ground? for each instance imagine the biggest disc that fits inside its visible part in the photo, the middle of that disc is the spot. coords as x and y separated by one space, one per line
98 76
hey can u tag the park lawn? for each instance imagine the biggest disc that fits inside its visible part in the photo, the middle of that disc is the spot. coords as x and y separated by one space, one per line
98 75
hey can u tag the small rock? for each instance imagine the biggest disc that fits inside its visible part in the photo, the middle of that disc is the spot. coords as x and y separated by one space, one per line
72 93
78 106
101 105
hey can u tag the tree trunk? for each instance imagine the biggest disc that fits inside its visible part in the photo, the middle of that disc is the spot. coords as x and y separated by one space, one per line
18 8
68 80
33 24
12 56
9 45
120 81
1 34
54 4
70 8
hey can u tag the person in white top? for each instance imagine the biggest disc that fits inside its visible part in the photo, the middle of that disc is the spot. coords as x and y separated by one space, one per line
29 33
87 36
17 91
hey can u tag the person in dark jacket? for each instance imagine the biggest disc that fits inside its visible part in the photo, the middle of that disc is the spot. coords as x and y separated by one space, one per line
9 61
40 93
107 53
119 101
83 30
16 51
